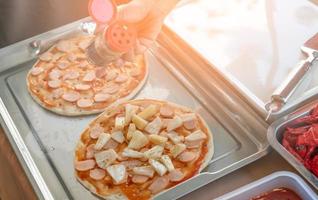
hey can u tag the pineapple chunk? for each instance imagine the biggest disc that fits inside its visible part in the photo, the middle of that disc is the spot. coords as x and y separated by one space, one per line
154 126
157 139
101 141
175 138
130 110
174 123
154 152
119 123
195 136
188 117
118 136
158 167
132 154
131 130
138 140
139 122
165 159
177 149
105 158
144 171
148 112
118 173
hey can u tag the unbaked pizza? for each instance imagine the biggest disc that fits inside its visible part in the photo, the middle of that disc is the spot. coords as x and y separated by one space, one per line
136 149
63 81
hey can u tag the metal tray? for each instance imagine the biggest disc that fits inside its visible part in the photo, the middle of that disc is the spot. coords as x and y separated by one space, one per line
44 141
278 179
275 135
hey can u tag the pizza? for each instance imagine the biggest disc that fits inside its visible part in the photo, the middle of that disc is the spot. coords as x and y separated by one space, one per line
63 81
136 149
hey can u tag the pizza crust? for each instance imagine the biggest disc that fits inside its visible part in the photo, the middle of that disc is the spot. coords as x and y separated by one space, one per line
118 195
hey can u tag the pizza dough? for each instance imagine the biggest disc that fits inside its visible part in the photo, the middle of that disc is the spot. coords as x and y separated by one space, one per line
136 149
64 82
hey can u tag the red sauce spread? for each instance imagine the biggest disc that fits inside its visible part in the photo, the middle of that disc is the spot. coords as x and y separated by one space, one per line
301 140
278 194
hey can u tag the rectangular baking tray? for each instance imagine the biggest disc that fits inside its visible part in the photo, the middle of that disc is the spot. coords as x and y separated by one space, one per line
44 141
278 179
275 135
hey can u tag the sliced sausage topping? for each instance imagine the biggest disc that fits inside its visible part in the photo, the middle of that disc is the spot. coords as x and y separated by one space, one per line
85 165
84 103
71 96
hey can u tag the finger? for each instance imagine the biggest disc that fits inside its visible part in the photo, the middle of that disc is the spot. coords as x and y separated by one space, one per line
134 11
150 31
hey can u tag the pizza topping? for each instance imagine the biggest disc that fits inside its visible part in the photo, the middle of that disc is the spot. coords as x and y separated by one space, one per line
95 131
193 144
119 123
47 56
165 159
111 89
159 184
139 122
118 136
100 97
139 179
174 123
97 174
84 44
144 171
71 96
158 167
54 83
121 78
138 140
90 151
111 144
132 153
154 152
119 62
177 149
84 165
130 110
131 130
89 76
166 111
130 164
111 75
82 87
101 141
57 93
84 103
100 72
175 137
148 112
63 64
36 71
176 175
65 46
55 74
154 127
189 121
195 136
57 56
187 156
83 64
157 139
118 173
105 158
135 72
70 75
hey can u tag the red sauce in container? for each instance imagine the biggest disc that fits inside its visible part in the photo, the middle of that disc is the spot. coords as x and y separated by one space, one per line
278 194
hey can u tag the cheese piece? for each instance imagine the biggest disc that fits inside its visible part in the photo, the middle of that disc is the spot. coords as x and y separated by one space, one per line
175 137
189 120
118 136
155 126
174 123
105 158
158 167
130 110
132 153
157 139
165 159
195 136
139 122
138 140
148 112
177 149
144 170
118 173
119 123
101 141
131 130
154 152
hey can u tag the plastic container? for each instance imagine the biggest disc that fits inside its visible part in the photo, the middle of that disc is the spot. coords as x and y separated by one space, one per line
276 180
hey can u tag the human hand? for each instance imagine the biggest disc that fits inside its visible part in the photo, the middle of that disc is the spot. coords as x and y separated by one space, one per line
147 16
